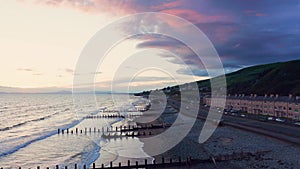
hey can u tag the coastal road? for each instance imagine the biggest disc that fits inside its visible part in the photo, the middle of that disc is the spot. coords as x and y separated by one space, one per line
272 129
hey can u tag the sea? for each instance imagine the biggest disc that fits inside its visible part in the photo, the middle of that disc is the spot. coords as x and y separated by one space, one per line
29 126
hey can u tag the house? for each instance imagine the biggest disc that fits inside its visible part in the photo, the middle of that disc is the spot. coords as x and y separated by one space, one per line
277 106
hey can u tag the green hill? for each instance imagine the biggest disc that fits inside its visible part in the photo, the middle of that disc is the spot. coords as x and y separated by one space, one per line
281 78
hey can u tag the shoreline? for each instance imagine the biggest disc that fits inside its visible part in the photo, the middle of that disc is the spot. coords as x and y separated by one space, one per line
121 150
237 148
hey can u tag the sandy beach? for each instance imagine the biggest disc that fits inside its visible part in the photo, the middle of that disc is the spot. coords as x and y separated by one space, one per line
244 149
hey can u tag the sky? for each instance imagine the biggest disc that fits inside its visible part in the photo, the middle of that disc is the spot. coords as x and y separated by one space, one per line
41 41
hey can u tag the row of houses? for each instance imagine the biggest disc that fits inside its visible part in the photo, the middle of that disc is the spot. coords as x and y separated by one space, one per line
271 105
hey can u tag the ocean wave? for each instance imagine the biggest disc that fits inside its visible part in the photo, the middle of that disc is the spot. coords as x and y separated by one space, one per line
28 121
38 138
44 136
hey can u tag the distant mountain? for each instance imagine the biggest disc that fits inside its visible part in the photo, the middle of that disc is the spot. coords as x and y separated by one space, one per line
46 90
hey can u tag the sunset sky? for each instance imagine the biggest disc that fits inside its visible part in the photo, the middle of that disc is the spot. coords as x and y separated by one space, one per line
41 40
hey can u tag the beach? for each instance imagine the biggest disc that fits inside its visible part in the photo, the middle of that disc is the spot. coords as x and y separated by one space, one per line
239 148
83 143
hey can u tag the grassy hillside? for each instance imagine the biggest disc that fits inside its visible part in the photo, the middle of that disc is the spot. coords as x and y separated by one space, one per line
281 78
277 78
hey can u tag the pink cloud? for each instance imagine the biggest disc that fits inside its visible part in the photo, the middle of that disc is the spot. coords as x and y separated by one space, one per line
260 14
254 13
194 16
111 7
168 5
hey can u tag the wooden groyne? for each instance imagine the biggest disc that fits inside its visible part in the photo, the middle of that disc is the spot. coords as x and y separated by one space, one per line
113 129
165 162
124 131
130 165
105 116
111 116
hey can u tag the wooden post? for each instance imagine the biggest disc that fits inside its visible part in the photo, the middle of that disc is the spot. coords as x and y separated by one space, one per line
128 163
94 165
